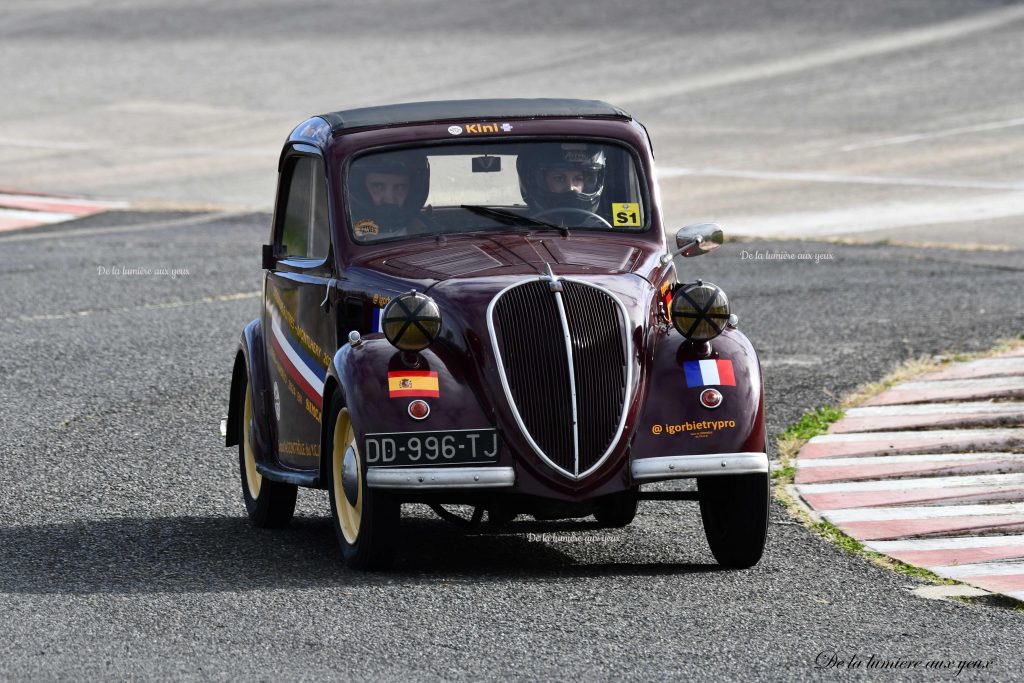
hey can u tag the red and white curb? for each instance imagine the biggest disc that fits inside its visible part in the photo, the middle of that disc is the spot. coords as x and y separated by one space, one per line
30 210
931 473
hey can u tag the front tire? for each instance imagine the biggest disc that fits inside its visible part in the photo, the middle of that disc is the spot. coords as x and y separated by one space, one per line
365 520
617 509
734 511
269 504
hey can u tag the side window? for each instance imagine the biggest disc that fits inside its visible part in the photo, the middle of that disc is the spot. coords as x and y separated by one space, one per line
305 232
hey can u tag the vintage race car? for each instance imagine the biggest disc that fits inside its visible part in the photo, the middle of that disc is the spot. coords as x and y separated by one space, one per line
472 303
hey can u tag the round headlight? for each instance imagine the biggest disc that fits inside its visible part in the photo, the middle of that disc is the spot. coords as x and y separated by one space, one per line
411 321
700 310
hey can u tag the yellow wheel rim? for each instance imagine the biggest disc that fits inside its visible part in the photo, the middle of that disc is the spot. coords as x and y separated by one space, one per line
253 479
349 516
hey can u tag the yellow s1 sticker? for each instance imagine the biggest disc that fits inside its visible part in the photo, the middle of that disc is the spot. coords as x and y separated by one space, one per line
626 215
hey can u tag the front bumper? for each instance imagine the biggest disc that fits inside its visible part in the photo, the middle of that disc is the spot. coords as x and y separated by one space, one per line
686 466
429 478
645 469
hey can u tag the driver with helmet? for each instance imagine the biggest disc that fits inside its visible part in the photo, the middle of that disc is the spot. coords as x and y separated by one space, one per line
566 177
387 192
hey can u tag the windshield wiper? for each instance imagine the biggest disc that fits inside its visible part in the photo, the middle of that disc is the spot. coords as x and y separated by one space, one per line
512 218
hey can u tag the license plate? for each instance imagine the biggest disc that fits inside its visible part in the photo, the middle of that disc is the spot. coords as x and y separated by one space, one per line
407 449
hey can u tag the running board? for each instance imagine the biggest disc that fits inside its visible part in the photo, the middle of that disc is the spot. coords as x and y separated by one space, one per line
286 476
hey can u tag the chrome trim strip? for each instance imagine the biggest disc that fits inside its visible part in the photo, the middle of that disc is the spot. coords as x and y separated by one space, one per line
426 478
572 384
504 380
627 399
684 466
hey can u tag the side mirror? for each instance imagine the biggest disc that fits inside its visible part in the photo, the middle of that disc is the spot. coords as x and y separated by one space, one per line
268 257
694 240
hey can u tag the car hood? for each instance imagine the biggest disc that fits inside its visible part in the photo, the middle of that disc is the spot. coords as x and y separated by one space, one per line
506 254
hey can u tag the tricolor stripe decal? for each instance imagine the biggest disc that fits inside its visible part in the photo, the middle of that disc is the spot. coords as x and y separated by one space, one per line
375 324
305 372
413 384
700 373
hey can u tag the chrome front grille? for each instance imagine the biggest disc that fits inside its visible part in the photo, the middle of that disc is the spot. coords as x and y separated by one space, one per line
563 353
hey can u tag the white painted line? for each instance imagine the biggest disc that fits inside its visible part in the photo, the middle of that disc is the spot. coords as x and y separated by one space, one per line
936 409
891 514
186 221
928 435
56 199
814 515
130 309
881 216
870 47
993 480
173 150
665 173
799 361
949 132
994 360
979 569
37 216
955 543
922 459
944 384
946 592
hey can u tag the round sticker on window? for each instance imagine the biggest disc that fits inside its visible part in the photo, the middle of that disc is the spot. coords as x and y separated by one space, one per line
366 227
455 130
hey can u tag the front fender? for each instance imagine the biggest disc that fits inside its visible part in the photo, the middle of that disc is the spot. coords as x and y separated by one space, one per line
673 422
249 368
360 374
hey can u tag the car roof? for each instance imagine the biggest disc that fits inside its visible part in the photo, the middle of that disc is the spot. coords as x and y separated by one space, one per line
472 110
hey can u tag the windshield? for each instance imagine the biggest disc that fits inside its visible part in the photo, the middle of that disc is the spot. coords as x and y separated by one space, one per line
560 185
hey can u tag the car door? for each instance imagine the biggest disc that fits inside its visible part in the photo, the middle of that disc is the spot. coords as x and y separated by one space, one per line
301 336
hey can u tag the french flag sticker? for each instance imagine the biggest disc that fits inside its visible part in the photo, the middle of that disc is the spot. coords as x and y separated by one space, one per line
375 325
702 373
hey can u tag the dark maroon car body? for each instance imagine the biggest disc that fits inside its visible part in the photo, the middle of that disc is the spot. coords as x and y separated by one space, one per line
666 433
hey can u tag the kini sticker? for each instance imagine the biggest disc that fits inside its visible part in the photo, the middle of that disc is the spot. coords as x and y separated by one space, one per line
413 384
702 373
483 128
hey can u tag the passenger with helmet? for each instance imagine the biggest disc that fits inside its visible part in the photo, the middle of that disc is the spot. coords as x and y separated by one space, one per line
568 176
387 192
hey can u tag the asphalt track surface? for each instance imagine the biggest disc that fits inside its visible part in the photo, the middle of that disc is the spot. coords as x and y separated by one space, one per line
125 551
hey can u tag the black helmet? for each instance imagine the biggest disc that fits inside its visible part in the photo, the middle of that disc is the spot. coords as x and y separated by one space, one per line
533 165
413 165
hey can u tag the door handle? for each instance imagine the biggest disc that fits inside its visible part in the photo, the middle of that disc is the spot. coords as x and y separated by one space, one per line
326 303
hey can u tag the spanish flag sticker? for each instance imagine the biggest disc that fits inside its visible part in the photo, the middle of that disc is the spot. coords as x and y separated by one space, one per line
413 383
